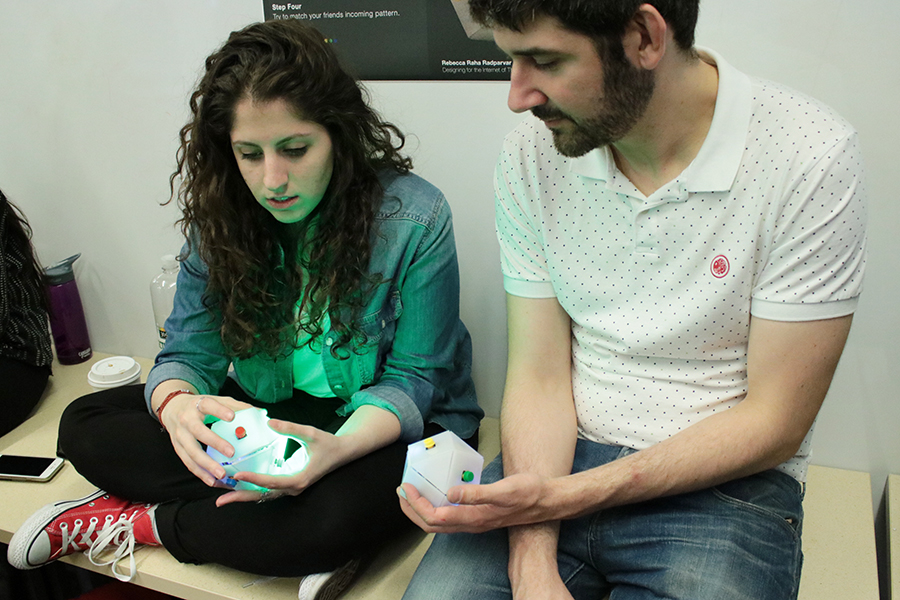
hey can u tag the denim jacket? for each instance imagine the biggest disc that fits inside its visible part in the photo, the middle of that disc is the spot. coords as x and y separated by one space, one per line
418 355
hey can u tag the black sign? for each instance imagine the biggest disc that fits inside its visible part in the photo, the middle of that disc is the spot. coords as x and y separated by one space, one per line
402 39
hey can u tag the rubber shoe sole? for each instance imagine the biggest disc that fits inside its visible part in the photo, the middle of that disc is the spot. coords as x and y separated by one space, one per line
328 586
26 536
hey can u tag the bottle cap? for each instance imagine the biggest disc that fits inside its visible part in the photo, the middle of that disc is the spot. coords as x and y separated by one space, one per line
61 272
169 262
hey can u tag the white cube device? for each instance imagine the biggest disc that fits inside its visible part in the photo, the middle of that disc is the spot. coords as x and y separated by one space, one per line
257 447
436 464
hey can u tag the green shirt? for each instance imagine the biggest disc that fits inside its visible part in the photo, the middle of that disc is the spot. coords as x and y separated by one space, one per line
309 372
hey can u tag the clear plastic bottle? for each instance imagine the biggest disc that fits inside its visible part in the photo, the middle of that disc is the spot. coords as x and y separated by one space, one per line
162 295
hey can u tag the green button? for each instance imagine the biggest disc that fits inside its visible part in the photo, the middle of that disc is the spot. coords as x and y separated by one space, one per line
468 476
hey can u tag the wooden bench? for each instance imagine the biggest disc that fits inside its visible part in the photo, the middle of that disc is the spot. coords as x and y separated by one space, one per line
839 543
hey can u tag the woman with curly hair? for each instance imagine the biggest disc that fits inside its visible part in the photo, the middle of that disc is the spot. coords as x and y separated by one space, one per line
319 280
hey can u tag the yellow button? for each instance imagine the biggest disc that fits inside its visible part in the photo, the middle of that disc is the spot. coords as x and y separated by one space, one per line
429 444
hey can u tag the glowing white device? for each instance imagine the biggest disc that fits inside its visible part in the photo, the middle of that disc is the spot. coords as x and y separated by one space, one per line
257 448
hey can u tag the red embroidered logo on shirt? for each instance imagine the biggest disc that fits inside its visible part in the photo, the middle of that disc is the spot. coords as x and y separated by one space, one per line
720 267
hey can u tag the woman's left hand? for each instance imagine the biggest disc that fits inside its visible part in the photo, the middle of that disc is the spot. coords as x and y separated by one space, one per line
326 453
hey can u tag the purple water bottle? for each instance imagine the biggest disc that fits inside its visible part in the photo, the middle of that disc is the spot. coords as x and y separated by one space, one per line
70 334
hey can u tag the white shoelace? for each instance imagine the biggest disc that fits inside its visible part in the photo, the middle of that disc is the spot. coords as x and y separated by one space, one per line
120 534
70 539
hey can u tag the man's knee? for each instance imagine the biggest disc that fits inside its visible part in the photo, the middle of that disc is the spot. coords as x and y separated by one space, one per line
463 566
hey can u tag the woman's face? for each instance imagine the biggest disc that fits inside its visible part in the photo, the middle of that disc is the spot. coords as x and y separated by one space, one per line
285 161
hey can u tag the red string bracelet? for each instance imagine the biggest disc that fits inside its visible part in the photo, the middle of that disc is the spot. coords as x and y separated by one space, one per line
162 404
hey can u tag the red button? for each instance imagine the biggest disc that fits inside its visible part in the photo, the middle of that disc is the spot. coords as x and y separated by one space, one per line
240 433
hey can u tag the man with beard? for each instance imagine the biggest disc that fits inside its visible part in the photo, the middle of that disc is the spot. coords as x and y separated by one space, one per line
682 258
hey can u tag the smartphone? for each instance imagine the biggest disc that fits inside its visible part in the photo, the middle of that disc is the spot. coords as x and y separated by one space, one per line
28 468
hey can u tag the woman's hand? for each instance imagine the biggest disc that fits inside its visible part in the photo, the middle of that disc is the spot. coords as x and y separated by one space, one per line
183 419
367 429
326 453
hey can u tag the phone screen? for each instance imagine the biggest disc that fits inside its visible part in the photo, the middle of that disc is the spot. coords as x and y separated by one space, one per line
27 466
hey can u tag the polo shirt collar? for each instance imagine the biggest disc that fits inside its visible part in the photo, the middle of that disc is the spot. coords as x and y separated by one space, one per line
716 165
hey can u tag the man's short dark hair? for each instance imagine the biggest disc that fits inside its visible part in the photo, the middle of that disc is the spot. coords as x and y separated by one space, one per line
594 18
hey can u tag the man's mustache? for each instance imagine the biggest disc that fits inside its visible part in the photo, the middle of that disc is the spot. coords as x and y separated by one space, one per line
546 113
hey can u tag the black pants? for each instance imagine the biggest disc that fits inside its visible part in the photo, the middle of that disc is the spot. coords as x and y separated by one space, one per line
21 387
353 511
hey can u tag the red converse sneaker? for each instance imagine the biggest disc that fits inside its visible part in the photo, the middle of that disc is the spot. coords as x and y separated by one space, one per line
89 524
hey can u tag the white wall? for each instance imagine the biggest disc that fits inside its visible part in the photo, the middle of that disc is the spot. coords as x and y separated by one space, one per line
92 95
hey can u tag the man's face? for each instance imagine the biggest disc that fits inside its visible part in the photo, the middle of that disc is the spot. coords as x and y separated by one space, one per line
558 75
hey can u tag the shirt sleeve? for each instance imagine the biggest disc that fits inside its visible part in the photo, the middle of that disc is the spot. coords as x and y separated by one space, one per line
426 368
517 204
814 267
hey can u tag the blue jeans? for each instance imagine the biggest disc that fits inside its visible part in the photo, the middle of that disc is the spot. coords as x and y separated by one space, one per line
739 540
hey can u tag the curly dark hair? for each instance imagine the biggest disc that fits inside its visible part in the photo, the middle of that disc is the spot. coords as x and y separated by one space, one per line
594 18
258 267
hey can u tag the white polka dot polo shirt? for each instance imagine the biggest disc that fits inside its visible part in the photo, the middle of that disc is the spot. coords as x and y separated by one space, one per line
769 219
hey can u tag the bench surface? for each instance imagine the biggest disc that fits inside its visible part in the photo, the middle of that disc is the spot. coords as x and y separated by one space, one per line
838 532
892 537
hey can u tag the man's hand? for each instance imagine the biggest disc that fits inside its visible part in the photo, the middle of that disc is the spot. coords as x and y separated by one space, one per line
515 500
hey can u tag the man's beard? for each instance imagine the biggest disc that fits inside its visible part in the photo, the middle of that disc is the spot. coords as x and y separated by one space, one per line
627 92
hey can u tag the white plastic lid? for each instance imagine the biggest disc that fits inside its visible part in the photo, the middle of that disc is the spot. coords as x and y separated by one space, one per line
169 262
114 371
